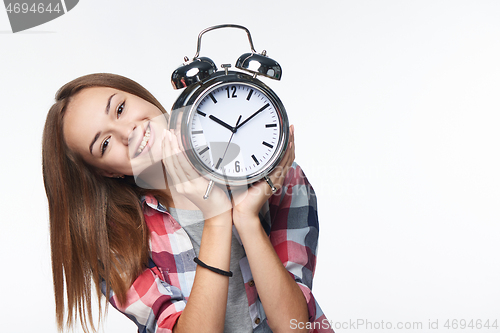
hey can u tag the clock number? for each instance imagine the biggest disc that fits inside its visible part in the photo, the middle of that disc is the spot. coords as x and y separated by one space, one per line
237 167
233 95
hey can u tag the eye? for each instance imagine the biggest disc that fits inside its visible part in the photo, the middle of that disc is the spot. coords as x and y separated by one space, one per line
119 110
104 145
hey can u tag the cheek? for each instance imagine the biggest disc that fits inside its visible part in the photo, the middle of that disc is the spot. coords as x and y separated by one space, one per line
154 152
117 161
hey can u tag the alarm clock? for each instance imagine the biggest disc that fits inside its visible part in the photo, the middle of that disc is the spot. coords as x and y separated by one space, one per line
233 128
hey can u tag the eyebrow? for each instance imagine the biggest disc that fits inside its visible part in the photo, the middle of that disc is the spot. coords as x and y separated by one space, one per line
91 146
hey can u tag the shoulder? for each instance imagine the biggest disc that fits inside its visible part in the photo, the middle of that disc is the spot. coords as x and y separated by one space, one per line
295 176
294 208
157 217
296 184
296 190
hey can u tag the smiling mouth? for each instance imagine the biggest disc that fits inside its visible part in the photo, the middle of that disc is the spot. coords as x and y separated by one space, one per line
144 141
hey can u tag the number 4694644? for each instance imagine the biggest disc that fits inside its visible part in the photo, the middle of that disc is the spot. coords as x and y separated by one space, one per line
470 324
35 8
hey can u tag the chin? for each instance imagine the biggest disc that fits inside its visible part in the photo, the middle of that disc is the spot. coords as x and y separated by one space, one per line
150 177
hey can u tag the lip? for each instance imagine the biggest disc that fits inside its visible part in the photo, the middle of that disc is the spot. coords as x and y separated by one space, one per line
150 141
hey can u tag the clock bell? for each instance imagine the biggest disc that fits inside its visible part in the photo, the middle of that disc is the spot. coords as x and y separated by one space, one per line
201 68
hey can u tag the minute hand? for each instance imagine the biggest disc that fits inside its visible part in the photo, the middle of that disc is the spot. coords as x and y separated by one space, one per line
256 113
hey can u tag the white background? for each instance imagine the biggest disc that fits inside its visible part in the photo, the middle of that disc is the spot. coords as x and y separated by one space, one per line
396 108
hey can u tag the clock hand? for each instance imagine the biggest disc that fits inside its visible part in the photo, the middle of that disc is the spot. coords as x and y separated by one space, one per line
228 143
220 122
211 183
255 113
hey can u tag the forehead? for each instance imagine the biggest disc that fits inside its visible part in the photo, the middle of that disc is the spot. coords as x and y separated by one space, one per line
83 116
91 98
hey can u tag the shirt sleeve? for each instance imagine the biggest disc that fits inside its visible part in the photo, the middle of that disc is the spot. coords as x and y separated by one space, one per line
152 304
294 235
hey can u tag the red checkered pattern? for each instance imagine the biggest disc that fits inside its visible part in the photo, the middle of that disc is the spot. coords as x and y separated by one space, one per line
158 296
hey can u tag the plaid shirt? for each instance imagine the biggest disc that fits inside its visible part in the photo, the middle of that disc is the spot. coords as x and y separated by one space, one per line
157 297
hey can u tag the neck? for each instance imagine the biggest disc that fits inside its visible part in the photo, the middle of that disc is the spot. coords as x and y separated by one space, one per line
154 178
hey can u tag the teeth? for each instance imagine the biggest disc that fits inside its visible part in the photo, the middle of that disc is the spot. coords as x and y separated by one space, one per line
144 140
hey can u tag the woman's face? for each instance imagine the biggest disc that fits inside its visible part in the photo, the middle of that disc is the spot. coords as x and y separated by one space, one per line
114 131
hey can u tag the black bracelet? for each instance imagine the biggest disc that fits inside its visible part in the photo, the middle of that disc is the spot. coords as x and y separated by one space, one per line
213 269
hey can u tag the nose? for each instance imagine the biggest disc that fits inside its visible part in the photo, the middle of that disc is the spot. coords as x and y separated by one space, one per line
124 132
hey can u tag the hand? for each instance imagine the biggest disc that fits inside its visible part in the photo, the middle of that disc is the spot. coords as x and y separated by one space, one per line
186 181
247 203
220 122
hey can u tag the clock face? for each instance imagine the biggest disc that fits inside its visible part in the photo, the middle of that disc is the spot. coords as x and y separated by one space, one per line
235 131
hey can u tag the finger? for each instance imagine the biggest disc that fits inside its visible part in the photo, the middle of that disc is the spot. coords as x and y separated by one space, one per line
278 175
291 145
177 154
190 172
184 168
290 150
168 159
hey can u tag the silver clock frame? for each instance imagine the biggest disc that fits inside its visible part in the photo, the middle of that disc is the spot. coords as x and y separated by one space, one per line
186 105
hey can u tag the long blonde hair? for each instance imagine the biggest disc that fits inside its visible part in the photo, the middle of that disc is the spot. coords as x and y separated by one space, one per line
97 229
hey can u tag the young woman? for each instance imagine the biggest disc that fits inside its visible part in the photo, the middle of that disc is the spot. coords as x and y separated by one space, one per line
164 257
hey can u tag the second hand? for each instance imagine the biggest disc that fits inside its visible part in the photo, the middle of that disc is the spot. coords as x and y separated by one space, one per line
228 143
219 162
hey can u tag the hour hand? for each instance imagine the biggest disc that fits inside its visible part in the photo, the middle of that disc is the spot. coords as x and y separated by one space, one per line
220 122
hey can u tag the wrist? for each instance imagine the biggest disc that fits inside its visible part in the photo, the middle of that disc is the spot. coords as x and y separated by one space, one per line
221 218
243 215
217 204
246 223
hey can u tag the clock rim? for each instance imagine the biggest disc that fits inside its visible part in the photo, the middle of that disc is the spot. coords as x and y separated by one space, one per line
186 105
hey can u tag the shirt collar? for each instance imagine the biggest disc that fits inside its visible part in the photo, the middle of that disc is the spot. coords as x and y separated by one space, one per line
152 202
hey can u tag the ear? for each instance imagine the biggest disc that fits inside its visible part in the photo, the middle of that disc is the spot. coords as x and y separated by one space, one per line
110 174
